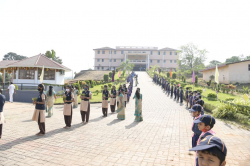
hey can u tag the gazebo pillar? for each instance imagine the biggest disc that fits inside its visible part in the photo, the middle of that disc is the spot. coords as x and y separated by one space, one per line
4 76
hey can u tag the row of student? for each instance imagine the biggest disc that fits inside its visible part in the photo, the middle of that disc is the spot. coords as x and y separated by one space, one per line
210 150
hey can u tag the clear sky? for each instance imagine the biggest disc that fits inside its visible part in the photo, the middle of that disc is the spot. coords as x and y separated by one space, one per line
73 28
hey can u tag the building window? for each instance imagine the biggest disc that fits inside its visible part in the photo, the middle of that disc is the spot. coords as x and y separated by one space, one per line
159 53
151 52
98 60
164 61
170 61
114 60
27 74
103 52
98 52
110 60
174 61
122 52
98 68
102 60
175 53
164 53
249 67
110 52
114 52
121 60
151 61
170 53
102 67
158 61
48 75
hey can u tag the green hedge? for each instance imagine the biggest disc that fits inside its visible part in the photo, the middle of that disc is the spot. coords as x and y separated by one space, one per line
106 77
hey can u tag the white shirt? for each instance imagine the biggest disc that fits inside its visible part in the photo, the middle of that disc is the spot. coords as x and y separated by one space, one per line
11 88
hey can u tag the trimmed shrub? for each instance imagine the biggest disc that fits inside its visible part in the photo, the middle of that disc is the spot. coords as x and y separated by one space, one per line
174 75
200 90
168 74
110 74
102 87
229 99
196 79
106 77
212 96
109 85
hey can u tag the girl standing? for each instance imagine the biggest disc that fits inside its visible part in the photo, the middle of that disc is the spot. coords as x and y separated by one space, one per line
85 105
113 99
67 112
121 107
39 113
138 105
76 94
125 96
105 103
119 91
51 95
2 102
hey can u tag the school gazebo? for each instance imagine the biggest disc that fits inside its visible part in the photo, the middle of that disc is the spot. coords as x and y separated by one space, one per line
28 71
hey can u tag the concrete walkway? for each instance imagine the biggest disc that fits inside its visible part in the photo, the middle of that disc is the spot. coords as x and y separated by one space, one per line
163 138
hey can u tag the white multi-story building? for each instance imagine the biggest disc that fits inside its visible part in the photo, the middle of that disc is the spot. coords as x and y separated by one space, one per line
107 58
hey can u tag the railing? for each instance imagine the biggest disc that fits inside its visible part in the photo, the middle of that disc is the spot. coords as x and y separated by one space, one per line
23 86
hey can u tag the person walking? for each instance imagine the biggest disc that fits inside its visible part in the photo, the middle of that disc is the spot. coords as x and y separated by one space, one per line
76 94
11 89
138 105
2 120
67 111
51 95
85 105
39 113
121 107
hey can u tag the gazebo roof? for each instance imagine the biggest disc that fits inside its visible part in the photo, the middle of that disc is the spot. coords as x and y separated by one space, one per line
34 61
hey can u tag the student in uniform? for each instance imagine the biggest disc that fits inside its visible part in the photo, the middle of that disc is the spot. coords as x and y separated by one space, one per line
85 105
2 120
172 90
205 124
211 151
177 93
119 91
181 95
125 96
196 113
113 99
39 113
121 108
67 111
129 93
190 100
201 102
105 103
186 95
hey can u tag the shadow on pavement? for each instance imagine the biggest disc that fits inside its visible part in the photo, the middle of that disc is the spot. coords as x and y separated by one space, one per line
18 141
114 122
132 125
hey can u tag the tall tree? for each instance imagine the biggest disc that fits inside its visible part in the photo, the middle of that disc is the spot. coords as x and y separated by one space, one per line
213 63
191 57
233 59
247 57
13 56
52 55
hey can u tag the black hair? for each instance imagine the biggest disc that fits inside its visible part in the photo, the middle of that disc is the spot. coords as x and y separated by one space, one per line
200 97
122 90
215 151
41 86
11 82
137 93
50 90
76 87
1 91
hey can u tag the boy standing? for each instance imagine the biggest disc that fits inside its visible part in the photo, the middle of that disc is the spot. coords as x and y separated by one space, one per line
196 112
177 93
181 95
211 151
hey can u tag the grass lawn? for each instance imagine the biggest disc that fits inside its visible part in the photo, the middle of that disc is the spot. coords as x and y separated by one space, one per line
221 96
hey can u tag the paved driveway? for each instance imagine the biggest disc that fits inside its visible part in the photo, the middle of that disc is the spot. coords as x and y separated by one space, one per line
163 138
